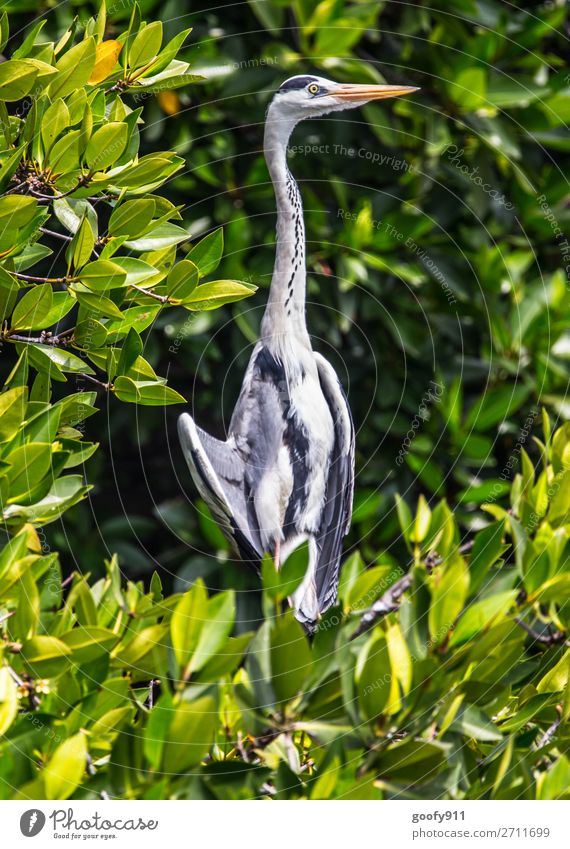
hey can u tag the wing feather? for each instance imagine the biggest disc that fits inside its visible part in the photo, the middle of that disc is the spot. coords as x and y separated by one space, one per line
340 487
218 472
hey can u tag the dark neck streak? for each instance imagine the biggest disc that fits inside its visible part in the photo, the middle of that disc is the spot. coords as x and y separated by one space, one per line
285 312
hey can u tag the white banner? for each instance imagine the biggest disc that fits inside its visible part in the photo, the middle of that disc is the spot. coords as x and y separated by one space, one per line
541 825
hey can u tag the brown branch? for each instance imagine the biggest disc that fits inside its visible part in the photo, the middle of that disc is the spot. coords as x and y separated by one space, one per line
390 600
105 386
162 298
550 639
42 279
45 338
56 235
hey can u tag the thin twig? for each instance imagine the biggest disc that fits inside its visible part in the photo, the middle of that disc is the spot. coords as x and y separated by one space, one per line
162 298
549 734
56 235
19 681
42 279
551 639
6 616
105 386
390 600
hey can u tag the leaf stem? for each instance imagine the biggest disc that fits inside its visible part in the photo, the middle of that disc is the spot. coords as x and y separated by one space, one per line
162 298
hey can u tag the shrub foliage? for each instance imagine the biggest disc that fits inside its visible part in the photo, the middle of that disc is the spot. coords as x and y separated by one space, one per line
444 669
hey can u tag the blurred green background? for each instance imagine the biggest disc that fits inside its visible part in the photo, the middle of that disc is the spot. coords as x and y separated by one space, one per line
437 257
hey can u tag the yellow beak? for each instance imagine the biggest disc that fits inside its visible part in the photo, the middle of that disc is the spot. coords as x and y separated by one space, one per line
364 93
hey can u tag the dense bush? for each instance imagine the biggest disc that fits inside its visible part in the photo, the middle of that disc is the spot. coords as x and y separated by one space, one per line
444 669
69 154
461 692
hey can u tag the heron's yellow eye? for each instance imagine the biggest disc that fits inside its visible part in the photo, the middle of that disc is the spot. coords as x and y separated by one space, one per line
313 88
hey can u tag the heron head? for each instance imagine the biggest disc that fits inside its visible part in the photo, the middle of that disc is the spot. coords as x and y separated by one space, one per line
308 96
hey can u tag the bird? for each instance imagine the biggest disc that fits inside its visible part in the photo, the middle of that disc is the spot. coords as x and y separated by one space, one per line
284 476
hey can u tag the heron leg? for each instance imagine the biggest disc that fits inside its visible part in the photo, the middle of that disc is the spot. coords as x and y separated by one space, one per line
276 559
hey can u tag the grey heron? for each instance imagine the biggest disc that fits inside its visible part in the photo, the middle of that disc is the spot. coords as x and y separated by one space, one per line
285 473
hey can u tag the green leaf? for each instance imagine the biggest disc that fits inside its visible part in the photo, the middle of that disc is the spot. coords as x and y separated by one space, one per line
496 405
132 347
164 236
132 217
487 548
448 595
12 409
74 69
81 246
373 677
132 653
189 735
210 296
146 44
291 659
102 274
32 309
16 79
64 155
206 255
87 644
150 393
482 614
45 657
62 358
187 622
55 120
215 632
422 521
64 771
468 89
99 304
8 700
182 280
472 722
28 465
106 146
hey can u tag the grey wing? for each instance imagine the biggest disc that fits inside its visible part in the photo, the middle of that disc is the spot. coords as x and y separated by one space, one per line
218 471
337 512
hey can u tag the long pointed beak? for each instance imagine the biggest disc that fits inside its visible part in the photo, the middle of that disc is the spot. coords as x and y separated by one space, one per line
364 93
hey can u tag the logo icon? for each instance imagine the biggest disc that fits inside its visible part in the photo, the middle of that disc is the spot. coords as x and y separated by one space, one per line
32 822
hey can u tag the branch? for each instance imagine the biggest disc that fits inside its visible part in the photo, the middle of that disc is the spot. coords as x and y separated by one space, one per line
105 386
45 338
550 639
82 181
549 734
387 603
56 235
42 279
162 298
390 600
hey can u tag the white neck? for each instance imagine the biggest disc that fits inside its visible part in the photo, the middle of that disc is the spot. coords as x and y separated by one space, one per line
285 311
